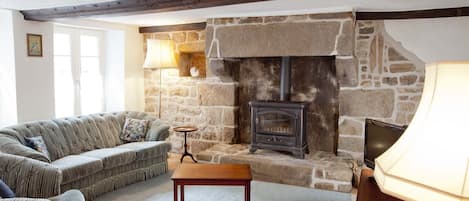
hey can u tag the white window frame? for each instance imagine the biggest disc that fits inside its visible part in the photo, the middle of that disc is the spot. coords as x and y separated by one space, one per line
75 34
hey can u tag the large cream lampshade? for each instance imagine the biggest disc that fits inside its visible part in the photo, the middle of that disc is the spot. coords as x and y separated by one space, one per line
160 54
430 162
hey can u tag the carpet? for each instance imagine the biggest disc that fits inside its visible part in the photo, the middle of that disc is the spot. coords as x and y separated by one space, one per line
161 189
261 191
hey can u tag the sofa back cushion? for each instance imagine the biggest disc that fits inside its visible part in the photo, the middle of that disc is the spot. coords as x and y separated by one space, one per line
50 132
89 132
70 135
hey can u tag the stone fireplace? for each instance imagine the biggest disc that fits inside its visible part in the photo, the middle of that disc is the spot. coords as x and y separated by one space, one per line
375 77
320 50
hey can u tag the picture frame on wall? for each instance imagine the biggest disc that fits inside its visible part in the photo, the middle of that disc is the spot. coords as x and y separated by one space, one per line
34 45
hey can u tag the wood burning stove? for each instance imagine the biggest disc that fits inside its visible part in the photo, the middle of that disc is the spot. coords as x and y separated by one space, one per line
280 125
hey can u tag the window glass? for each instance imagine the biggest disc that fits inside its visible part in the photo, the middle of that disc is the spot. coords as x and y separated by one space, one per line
63 77
79 86
62 44
91 86
89 45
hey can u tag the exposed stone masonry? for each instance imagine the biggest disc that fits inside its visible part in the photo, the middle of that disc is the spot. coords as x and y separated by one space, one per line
388 88
299 35
321 170
384 82
205 102
378 79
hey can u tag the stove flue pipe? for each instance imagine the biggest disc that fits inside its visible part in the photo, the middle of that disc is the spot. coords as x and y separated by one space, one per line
285 78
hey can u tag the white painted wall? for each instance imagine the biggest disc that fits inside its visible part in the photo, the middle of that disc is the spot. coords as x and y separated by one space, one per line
34 75
432 40
8 114
29 81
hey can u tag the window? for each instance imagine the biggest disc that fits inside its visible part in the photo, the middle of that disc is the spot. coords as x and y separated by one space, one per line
78 71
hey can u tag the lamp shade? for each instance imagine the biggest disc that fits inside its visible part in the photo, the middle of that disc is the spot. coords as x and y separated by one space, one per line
430 162
160 54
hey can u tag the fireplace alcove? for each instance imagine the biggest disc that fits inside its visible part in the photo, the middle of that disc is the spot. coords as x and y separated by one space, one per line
245 54
313 80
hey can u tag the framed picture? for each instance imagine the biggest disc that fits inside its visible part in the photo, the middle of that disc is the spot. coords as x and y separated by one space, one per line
34 45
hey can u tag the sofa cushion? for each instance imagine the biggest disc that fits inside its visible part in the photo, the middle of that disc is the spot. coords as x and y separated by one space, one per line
134 130
158 131
5 191
146 150
37 143
75 167
112 157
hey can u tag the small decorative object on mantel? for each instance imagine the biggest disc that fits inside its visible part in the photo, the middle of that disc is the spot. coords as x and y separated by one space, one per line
194 71
34 45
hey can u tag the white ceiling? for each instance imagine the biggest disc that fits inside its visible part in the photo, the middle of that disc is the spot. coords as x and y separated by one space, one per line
274 7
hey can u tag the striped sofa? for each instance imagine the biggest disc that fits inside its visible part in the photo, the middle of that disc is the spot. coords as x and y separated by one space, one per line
86 153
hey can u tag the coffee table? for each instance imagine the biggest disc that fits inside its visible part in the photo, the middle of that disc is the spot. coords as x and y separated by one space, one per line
212 174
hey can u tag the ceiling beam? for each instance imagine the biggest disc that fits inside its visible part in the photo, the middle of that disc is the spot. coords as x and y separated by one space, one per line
124 6
414 14
168 28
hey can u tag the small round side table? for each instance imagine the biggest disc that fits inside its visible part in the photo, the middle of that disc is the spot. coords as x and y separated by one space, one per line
185 130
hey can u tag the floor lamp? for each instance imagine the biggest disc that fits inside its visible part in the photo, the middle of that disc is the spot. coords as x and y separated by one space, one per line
430 162
160 55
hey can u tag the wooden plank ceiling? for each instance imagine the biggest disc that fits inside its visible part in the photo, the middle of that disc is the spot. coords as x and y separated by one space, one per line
124 6
129 7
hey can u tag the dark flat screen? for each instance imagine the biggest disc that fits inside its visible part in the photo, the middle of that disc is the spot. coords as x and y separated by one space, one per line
379 136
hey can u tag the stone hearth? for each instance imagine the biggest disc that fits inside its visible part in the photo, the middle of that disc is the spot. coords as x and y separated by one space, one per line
320 170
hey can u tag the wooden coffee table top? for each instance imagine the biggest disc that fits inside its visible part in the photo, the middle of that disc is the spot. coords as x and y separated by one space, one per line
212 172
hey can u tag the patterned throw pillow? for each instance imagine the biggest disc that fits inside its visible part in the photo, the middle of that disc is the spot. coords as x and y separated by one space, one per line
5 191
37 143
134 130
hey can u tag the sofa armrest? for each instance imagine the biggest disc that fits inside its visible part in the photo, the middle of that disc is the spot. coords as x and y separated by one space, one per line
158 131
71 195
12 146
28 177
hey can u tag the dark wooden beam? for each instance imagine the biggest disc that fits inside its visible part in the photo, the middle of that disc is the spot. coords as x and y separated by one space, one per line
125 6
179 27
414 14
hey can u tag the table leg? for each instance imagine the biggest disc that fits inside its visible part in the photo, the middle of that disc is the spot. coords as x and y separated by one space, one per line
182 192
247 191
175 190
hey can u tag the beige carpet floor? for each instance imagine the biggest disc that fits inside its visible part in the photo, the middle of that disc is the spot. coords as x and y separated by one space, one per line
161 189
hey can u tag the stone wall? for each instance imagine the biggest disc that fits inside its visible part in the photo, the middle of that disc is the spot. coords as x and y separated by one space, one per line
378 78
388 88
207 103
